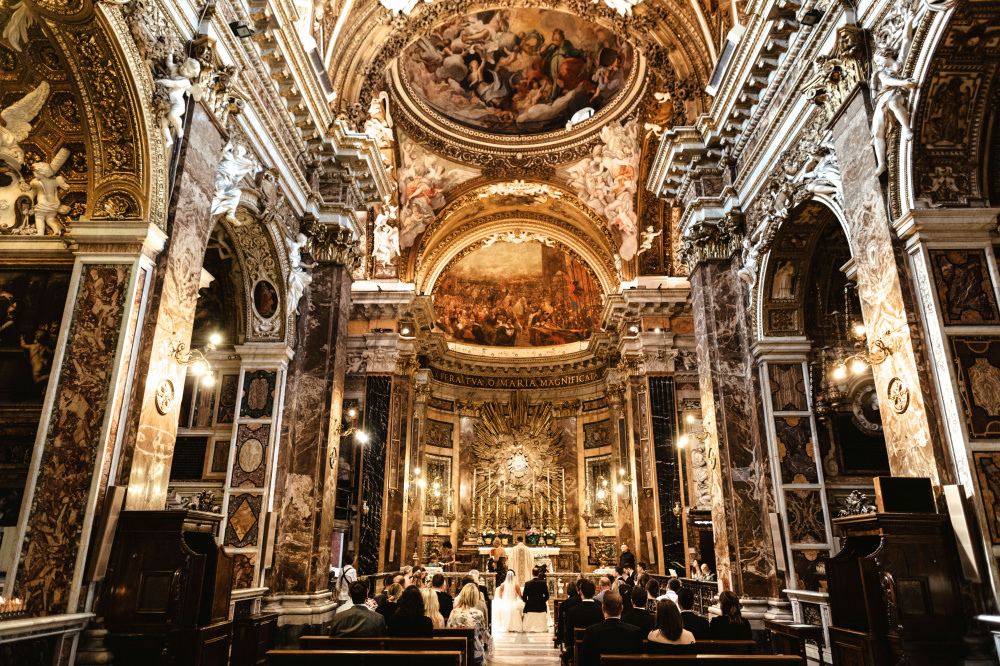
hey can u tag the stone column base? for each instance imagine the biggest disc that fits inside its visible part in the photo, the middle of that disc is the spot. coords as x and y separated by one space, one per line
301 615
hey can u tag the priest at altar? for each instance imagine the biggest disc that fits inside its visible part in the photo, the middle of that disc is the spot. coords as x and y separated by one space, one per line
522 561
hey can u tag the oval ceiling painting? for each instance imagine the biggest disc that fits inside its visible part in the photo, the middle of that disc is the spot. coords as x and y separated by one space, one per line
517 295
517 71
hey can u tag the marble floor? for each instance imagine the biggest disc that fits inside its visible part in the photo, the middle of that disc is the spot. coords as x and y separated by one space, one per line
534 649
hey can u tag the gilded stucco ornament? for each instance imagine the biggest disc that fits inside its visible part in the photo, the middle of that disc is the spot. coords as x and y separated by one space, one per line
331 243
712 240
835 76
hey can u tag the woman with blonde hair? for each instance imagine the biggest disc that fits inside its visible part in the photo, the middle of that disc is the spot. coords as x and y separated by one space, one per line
432 607
465 614
388 607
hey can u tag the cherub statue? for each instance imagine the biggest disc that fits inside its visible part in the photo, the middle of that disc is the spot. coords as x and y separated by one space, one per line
45 189
890 88
648 236
821 173
386 239
179 84
236 163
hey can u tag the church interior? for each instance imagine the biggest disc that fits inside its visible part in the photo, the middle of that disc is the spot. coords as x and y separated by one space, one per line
302 300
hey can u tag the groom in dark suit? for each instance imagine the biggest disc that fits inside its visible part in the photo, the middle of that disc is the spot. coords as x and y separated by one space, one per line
536 597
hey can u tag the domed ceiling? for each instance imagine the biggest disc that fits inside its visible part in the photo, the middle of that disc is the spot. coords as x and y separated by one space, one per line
517 294
517 71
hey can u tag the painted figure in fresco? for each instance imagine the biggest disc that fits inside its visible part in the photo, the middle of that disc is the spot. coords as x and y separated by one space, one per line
178 86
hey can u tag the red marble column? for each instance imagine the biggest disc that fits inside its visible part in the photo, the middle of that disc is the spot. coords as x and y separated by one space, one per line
148 448
732 411
306 481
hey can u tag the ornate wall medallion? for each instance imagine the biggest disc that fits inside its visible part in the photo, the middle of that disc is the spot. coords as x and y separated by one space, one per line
164 396
899 395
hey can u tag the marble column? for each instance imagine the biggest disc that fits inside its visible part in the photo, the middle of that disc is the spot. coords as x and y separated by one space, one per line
148 448
411 491
641 467
78 435
914 437
736 448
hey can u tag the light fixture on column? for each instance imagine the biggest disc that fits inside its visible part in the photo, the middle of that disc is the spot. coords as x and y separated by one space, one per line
866 352
195 358
348 418
686 437
624 486
413 478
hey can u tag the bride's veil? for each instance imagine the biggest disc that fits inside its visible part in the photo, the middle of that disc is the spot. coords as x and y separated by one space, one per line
509 588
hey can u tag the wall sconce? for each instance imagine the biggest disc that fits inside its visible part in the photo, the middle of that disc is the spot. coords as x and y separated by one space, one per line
686 437
195 358
360 435
866 353
624 487
413 478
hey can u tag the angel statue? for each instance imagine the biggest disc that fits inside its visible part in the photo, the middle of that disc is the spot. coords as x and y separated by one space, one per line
890 87
386 240
236 163
45 188
179 84
17 124
18 25
648 236
821 173
298 279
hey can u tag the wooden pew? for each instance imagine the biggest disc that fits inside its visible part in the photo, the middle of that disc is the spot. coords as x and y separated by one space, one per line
701 660
700 647
468 633
362 658
437 644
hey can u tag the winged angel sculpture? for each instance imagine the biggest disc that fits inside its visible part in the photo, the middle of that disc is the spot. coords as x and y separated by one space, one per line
17 125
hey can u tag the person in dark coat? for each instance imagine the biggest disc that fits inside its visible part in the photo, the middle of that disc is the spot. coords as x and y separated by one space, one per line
388 607
693 622
409 620
536 606
612 636
571 602
445 600
358 621
730 626
638 616
626 559
586 613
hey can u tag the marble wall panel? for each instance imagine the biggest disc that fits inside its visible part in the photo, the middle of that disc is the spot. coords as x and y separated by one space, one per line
227 398
378 395
250 461
466 462
244 565
664 413
441 404
54 532
796 450
243 520
977 359
964 288
599 470
147 448
204 406
439 433
810 570
804 511
595 405
987 465
788 387
257 399
914 437
597 434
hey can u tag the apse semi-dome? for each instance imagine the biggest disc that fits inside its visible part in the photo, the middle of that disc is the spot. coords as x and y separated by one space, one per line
516 71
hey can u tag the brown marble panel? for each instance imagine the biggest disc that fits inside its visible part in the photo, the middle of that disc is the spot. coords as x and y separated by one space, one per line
243 520
810 570
796 452
306 483
804 510
59 508
597 434
988 473
257 400
964 288
439 433
243 570
977 359
567 461
914 436
250 461
441 404
227 398
788 387
147 449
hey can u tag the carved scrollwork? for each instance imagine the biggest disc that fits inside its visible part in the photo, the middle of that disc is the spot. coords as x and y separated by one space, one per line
712 240
331 243
835 76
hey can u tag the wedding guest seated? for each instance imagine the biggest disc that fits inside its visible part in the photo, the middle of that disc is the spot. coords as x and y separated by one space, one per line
465 614
388 607
673 585
571 601
730 626
482 603
706 572
624 591
380 598
669 625
653 592
612 636
432 608
638 615
444 599
605 584
409 620
358 621
696 624
586 613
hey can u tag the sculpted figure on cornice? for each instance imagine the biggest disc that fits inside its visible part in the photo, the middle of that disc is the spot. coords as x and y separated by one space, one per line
835 76
173 90
890 88
237 162
298 278
712 240
385 238
331 243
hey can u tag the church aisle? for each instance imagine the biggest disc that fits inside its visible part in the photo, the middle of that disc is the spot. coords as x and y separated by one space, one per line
535 649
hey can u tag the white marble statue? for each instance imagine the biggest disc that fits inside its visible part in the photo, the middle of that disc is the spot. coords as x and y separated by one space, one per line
298 278
386 238
648 236
16 124
45 188
821 173
178 85
236 163
890 88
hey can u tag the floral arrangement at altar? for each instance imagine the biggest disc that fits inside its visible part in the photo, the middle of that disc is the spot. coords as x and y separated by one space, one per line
550 536
506 535
532 537
488 536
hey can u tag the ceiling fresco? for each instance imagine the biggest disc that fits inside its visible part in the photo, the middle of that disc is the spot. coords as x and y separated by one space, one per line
517 294
517 71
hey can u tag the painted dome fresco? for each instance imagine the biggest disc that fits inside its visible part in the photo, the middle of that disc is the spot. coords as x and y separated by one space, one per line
517 71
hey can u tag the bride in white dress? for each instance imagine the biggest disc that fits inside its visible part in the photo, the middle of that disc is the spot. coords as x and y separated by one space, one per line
508 607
